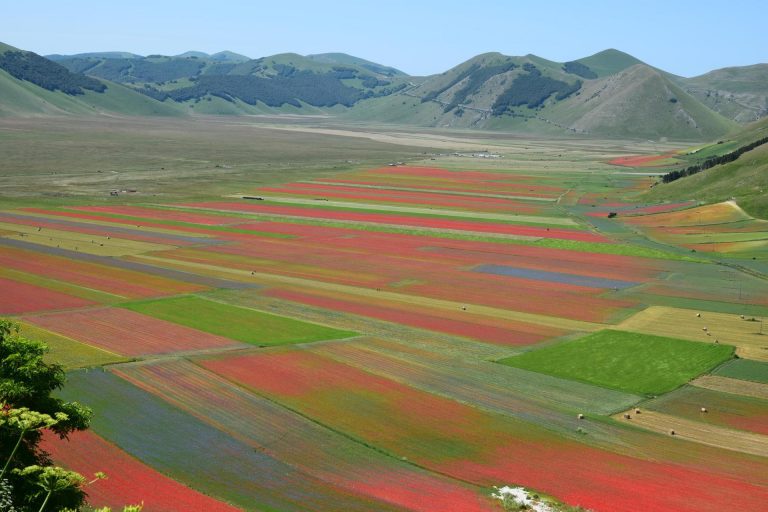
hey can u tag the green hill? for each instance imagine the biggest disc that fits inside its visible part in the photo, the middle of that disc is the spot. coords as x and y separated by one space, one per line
535 95
608 94
745 179
344 59
739 93
609 62
33 85
94 55
227 83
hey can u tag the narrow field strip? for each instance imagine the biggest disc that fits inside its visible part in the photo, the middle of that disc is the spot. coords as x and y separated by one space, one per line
30 298
104 230
70 353
554 277
107 222
61 286
733 386
529 219
456 224
432 191
744 370
127 333
184 277
82 242
235 322
272 279
422 199
697 432
714 407
106 282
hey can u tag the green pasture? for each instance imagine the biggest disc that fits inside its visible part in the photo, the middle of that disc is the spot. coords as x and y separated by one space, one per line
744 369
631 362
237 323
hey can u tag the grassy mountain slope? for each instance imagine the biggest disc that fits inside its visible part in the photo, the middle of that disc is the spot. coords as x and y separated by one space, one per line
225 83
345 59
739 93
536 95
94 55
609 62
639 102
745 179
32 85
21 98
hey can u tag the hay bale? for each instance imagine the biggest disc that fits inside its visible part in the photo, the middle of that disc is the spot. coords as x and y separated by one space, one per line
704 409
627 416
637 411
581 416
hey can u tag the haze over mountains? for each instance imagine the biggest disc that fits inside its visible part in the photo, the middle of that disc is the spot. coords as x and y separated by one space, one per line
609 94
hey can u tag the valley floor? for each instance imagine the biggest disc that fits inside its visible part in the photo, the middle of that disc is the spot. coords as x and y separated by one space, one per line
267 315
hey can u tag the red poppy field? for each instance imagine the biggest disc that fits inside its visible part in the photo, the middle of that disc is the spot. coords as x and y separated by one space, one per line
420 279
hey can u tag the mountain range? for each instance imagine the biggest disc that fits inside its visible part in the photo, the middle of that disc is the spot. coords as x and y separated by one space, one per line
609 94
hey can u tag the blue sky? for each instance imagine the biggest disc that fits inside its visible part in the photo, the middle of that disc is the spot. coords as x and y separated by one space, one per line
420 37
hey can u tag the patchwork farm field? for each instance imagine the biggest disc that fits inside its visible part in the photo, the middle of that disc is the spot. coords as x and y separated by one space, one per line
312 335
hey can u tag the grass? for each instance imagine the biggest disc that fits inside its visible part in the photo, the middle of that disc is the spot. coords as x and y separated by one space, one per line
168 158
237 323
632 362
744 369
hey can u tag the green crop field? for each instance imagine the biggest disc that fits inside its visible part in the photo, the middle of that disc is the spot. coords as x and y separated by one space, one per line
237 323
633 362
744 369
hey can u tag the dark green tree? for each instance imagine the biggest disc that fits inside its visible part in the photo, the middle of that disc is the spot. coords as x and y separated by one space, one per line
27 407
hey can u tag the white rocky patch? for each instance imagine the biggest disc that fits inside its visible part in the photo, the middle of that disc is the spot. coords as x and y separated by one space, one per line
520 497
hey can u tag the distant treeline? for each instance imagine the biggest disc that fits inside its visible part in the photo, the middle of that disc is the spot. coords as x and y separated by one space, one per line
289 87
140 70
47 74
577 68
475 81
712 161
532 89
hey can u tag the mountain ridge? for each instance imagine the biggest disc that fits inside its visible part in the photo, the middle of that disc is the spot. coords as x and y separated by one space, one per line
607 94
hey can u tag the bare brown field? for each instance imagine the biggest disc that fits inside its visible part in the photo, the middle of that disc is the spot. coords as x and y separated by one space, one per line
694 431
734 386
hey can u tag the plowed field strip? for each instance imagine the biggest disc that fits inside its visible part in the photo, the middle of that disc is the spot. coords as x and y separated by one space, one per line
734 386
704 433
271 279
